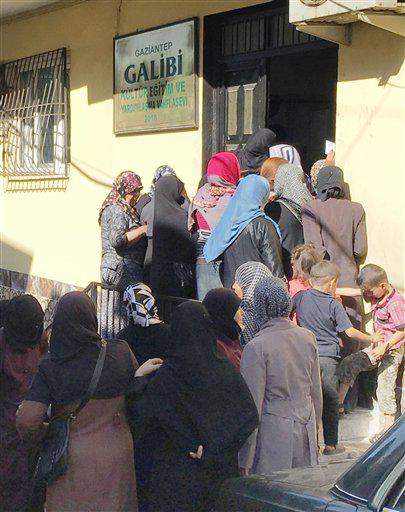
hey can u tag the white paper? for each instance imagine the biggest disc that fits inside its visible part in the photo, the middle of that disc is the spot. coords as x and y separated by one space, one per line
329 146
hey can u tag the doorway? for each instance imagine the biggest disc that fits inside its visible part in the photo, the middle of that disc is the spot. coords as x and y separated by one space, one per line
259 71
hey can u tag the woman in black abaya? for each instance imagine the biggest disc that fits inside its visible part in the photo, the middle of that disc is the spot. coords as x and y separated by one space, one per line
174 252
203 406
256 151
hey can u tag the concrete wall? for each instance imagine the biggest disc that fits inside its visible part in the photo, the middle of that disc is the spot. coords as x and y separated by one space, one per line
55 234
370 139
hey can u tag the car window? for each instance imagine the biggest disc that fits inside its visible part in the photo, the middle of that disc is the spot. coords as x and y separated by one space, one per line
396 499
373 467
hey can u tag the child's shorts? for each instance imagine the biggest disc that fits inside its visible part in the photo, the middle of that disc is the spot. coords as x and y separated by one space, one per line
352 365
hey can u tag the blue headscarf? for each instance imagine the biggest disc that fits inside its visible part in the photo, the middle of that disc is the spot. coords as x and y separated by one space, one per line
246 205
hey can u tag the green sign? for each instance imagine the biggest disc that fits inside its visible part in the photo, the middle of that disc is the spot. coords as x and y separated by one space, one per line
155 79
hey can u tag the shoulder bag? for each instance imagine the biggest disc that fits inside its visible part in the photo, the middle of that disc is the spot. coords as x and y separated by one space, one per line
53 455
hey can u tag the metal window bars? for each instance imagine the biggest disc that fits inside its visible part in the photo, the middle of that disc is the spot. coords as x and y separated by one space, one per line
34 116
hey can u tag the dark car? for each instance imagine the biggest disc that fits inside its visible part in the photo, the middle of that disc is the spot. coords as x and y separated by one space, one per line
375 482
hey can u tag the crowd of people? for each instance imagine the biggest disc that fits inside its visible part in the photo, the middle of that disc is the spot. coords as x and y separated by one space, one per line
242 381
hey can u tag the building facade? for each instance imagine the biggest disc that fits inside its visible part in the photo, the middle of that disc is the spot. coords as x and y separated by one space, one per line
254 69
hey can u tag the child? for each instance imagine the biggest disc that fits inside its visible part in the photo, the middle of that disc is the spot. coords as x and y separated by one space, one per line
303 258
319 311
388 313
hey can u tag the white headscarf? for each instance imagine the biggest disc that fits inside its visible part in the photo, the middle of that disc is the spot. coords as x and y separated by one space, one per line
287 152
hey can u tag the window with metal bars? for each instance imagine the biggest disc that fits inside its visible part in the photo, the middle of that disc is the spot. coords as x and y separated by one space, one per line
34 116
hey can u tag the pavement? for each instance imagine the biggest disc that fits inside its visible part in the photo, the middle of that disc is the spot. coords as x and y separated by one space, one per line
355 430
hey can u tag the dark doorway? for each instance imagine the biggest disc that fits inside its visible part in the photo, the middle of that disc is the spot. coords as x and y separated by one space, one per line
259 71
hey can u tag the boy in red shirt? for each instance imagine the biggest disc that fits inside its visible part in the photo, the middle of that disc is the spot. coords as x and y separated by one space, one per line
388 313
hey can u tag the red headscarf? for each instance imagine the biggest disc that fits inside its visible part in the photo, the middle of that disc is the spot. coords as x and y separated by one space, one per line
211 200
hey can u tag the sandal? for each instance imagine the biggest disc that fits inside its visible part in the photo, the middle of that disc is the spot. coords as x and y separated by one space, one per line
341 409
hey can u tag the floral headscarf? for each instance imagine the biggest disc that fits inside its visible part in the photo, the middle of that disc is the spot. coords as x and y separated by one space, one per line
248 276
318 165
125 183
163 170
272 300
140 305
212 199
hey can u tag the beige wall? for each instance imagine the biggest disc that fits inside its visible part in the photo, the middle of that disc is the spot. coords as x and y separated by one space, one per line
371 139
57 231
55 234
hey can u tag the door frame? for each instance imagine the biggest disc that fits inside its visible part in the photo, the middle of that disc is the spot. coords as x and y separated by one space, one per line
214 63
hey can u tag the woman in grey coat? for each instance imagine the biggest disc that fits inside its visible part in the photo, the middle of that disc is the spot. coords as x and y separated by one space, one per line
281 368
123 247
122 235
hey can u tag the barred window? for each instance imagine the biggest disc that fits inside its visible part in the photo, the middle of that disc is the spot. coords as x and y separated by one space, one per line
34 115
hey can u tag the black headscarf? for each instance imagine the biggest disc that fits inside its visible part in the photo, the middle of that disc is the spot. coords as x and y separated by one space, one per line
74 327
3 306
256 150
23 322
64 374
198 396
330 183
222 305
171 238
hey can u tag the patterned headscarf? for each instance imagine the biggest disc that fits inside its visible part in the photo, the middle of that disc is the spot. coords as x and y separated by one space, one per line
140 305
247 277
318 165
272 300
125 183
163 170
291 189
212 199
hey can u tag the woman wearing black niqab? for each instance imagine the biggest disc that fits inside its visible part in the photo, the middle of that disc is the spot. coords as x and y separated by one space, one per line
20 335
100 474
256 151
223 306
174 252
199 399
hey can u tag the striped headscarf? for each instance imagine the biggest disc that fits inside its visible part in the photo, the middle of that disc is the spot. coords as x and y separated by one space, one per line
287 152
248 276
140 305
272 300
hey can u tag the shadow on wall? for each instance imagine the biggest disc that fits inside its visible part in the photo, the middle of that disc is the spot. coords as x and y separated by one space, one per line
374 53
88 171
92 173
11 256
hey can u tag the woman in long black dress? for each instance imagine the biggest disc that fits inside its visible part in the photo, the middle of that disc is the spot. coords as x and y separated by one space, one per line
174 252
203 406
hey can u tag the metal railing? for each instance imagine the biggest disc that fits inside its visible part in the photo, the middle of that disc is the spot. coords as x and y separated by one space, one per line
111 311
